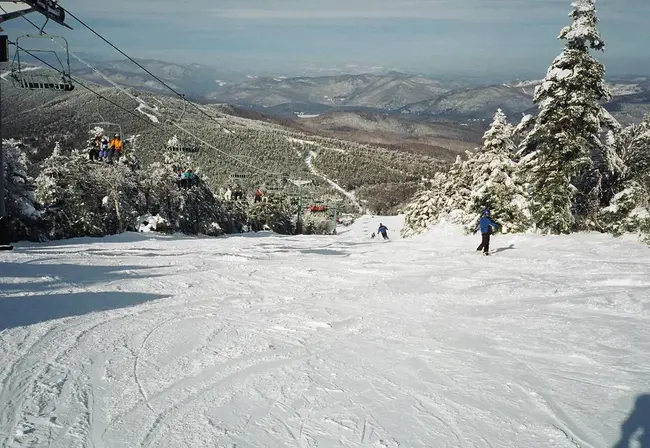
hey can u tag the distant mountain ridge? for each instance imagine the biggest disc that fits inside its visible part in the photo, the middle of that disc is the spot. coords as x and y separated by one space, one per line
387 92
474 103
390 91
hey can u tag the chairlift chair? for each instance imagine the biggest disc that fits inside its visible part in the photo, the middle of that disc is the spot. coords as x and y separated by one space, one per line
110 129
179 146
41 79
273 190
238 177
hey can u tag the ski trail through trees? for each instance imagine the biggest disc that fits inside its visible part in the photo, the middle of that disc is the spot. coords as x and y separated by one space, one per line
309 161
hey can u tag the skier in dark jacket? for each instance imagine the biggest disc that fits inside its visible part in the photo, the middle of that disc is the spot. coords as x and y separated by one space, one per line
93 154
486 226
383 231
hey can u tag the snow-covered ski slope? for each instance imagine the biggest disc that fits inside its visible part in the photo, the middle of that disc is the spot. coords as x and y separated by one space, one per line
338 341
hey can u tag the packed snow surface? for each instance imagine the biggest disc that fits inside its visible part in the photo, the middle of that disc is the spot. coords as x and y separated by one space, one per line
260 340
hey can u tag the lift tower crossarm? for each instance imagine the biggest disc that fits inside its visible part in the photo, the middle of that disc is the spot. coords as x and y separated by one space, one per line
49 8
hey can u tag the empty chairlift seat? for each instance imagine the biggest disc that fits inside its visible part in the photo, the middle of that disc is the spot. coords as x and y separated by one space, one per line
43 83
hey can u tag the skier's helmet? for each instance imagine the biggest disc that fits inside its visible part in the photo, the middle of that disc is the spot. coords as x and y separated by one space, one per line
486 212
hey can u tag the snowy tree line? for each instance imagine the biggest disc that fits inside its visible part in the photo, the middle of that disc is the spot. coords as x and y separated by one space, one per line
73 196
266 145
572 167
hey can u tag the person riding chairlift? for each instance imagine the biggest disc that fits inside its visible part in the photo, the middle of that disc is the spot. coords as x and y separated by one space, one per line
258 195
104 148
116 146
187 179
94 152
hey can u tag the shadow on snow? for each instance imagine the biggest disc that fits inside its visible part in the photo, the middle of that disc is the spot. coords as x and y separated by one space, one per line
501 249
43 304
18 311
46 276
637 425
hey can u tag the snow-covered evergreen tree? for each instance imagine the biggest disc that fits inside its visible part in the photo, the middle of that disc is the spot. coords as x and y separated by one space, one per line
564 153
425 208
86 199
629 209
174 143
188 210
317 224
496 183
20 200
632 146
520 131
132 153
276 215
487 178
446 197
123 201
60 187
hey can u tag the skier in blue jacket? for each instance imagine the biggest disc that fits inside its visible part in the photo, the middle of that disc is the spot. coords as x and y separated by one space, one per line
486 225
383 231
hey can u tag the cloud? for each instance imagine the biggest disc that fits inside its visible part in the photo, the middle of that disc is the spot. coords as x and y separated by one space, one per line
418 34
466 10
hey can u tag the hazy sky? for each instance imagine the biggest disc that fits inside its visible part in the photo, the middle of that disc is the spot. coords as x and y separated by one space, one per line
433 36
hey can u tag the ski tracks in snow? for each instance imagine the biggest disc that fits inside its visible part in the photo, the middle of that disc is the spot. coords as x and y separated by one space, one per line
137 360
285 346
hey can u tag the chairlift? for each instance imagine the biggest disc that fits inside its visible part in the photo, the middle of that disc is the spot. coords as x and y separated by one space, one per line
273 190
110 129
318 206
176 144
238 176
40 79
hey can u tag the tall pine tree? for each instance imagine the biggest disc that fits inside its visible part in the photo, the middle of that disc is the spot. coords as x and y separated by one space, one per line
495 180
563 153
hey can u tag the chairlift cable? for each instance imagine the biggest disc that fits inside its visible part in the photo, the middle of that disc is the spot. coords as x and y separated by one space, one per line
74 55
93 91
261 170
138 116
179 94
139 100
149 121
